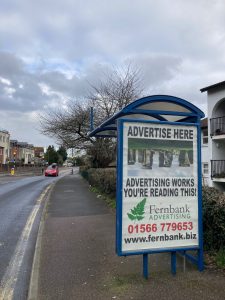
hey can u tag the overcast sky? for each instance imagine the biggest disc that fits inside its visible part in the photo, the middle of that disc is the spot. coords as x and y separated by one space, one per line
51 49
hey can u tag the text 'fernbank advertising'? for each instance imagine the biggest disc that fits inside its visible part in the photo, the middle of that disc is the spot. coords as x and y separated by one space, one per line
160 187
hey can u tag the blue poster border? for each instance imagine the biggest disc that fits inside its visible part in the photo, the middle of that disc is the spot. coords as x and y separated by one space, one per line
119 213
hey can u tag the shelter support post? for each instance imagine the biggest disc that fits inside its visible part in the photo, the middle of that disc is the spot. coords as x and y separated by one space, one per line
200 260
92 119
145 266
173 263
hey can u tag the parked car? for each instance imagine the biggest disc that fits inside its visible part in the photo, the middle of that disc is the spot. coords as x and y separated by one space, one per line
52 170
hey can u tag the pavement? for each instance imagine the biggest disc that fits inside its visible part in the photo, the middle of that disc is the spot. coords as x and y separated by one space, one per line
75 256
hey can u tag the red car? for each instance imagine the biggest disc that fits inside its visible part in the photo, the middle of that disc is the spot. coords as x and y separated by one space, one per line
52 170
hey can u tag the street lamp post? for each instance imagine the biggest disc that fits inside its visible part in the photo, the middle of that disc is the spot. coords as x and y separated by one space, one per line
14 163
14 159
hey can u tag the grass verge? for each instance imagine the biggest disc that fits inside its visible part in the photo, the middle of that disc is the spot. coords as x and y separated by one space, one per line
215 259
220 259
109 199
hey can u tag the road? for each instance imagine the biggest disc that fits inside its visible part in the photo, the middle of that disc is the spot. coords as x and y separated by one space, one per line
21 204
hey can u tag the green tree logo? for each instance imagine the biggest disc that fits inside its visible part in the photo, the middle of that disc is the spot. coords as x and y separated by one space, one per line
137 213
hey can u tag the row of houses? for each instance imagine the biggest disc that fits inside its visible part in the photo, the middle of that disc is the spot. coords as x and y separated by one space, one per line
18 152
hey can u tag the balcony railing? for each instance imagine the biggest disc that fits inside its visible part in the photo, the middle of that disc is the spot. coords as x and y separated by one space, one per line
217 168
217 126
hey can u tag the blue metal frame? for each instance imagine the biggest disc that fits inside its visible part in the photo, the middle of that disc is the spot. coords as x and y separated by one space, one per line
200 224
91 118
119 189
132 108
166 98
119 186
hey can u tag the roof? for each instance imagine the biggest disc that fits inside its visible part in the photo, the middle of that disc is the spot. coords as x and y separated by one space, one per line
155 108
4 131
219 84
204 123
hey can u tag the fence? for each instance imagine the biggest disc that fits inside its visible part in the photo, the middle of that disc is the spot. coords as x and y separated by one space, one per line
22 170
217 126
218 168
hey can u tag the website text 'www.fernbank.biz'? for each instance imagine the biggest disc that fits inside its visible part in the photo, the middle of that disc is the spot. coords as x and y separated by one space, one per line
161 238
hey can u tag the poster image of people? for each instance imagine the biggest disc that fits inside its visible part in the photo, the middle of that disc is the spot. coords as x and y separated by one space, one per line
158 155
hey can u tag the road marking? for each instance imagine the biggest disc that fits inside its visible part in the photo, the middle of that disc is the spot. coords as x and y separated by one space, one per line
9 280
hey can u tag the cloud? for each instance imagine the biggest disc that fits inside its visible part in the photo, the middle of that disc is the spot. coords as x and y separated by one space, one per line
51 51
157 68
23 127
21 89
98 29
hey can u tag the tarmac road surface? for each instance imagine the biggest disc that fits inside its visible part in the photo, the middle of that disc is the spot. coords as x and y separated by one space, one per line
21 203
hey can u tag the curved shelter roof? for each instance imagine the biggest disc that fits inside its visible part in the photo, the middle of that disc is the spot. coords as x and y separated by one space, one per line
154 108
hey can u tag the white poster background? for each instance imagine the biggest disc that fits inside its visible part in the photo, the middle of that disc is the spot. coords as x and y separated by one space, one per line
175 217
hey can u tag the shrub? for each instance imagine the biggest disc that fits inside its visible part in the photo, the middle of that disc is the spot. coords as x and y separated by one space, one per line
220 258
104 179
213 218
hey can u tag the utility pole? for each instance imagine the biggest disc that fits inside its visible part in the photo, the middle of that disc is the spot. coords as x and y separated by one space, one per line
91 118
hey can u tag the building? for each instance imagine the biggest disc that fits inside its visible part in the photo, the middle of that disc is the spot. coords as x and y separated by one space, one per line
27 152
216 134
39 155
4 146
39 152
14 151
21 152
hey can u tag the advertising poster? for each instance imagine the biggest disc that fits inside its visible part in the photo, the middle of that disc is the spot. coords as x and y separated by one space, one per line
159 187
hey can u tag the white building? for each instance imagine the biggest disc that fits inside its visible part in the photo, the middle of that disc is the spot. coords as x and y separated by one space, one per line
216 134
26 152
4 146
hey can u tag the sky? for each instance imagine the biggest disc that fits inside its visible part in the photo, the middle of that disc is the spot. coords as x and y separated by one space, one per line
50 52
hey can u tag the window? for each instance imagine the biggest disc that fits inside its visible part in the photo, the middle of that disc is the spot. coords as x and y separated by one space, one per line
3 139
205 168
1 151
205 136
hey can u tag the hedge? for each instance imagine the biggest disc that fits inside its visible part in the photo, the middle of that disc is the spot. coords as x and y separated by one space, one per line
103 178
213 218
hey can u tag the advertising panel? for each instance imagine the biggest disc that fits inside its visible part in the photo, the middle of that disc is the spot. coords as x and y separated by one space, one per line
159 189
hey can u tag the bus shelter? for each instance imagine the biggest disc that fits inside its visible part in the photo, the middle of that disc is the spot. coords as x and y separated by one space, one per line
159 183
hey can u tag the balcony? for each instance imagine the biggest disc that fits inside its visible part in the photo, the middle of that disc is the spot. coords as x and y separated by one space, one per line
218 170
217 127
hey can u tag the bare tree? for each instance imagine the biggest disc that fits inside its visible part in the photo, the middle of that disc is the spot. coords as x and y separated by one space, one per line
70 127
119 88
